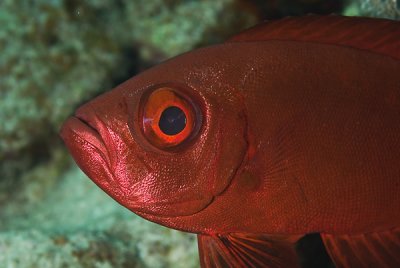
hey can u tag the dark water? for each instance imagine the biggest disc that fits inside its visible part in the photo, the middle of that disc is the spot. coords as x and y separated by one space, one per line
312 252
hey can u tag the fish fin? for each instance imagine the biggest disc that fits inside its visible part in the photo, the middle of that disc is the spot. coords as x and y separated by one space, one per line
381 36
247 250
378 249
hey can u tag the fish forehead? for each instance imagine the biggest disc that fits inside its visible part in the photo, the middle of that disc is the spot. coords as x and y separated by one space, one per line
211 67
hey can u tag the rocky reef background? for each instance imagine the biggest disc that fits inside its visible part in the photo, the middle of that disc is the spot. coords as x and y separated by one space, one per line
57 54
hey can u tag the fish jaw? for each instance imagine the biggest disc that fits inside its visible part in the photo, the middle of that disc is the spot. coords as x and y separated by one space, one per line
79 129
86 139
89 151
160 211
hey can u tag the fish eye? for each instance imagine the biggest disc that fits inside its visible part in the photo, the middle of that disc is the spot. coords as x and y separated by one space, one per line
172 121
168 118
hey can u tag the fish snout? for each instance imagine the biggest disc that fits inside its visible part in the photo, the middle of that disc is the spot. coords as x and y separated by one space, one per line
85 129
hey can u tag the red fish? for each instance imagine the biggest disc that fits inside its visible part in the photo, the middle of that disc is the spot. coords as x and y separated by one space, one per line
289 128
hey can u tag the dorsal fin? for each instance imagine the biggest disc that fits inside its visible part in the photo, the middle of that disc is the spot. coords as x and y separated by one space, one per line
380 36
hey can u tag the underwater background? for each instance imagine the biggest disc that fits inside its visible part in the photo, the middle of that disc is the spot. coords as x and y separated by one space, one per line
56 55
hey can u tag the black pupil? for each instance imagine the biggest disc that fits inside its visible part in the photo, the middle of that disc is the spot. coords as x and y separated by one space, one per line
172 120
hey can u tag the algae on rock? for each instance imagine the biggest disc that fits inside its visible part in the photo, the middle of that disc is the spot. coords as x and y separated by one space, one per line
389 9
78 225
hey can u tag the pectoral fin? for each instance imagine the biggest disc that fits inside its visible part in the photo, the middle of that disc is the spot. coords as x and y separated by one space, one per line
365 250
247 250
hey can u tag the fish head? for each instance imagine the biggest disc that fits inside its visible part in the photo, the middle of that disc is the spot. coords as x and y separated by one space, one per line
168 141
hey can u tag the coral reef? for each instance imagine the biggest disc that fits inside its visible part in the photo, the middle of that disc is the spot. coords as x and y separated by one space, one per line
43 57
50 62
389 9
77 225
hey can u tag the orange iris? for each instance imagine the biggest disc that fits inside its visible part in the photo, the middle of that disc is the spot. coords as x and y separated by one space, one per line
168 118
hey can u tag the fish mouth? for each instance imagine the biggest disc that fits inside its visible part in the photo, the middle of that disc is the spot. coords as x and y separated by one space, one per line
80 129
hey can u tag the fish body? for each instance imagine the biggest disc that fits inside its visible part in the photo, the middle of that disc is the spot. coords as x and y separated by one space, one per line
286 132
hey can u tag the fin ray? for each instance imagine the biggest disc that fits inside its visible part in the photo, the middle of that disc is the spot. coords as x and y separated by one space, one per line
379 249
247 250
380 36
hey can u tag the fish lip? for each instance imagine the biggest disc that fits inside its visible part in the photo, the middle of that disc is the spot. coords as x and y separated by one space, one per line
88 131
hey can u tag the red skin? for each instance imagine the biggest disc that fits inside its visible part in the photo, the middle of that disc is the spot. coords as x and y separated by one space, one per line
295 138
